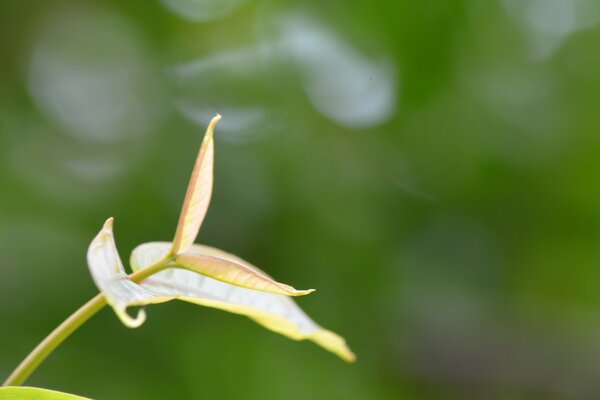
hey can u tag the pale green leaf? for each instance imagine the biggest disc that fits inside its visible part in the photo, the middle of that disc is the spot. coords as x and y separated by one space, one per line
197 197
30 393
276 312
109 275
216 264
235 273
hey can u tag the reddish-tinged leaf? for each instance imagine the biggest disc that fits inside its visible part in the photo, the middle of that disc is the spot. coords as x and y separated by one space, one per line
197 197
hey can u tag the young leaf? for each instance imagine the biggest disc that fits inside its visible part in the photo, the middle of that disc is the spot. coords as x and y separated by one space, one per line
273 311
235 273
216 264
110 277
30 393
198 194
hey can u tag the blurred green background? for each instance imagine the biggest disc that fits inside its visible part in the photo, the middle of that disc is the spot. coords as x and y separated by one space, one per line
431 167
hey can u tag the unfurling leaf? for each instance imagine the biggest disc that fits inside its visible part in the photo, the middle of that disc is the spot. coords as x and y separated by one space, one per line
203 275
197 197
276 312
216 264
110 277
236 273
30 393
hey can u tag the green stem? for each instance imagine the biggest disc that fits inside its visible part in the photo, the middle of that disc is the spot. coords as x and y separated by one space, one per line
70 325
55 338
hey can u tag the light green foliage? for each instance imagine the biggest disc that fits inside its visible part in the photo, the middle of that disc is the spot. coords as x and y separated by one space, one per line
432 168
108 273
30 393
182 270
200 274
276 312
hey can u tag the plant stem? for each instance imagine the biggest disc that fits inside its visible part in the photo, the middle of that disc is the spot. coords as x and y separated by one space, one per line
55 338
68 326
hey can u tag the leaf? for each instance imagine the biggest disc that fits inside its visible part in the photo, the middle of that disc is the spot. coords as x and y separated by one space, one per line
216 264
276 312
236 273
110 277
197 197
30 393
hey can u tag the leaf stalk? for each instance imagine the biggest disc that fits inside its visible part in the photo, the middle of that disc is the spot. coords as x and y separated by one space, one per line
70 325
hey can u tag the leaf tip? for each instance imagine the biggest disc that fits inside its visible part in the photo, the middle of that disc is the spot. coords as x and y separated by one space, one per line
108 224
347 355
334 343
302 292
291 291
213 123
